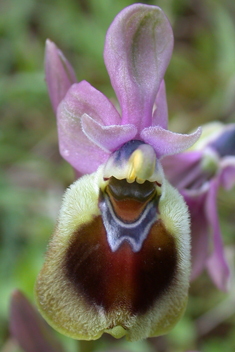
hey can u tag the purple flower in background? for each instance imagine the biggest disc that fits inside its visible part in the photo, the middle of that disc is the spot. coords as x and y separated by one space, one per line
28 328
119 259
197 174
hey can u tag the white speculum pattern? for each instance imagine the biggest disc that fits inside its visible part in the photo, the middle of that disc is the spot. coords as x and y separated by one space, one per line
119 231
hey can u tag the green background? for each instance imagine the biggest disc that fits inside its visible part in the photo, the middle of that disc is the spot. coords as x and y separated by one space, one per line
200 85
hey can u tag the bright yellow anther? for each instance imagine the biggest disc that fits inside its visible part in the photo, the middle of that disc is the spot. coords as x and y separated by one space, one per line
138 159
132 175
136 163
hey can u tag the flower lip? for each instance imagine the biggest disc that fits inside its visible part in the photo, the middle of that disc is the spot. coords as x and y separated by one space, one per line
108 283
83 280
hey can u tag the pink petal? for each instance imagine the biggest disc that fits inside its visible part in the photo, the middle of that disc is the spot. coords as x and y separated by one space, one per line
108 138
166 142
160 115
29 329
59 74
137 51
227 177
217 265
75 147
199 231
179 167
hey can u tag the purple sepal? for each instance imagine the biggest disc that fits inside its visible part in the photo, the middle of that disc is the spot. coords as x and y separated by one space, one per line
137 51
59 74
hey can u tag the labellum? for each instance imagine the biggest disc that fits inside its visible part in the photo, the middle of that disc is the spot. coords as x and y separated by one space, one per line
119 259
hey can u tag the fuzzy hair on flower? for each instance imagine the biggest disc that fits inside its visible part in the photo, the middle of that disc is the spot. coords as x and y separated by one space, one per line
119 259
198 174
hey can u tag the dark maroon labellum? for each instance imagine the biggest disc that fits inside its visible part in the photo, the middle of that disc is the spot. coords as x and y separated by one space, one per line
123 277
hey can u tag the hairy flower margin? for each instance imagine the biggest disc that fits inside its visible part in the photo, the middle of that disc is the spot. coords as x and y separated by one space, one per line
119 259
28 330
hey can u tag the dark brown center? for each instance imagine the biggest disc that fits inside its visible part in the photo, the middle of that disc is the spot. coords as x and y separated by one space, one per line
120 279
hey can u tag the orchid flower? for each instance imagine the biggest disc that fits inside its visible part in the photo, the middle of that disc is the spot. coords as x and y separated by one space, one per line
119 259
197 174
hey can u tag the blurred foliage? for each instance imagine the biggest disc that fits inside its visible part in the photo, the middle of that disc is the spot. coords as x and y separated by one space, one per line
200 84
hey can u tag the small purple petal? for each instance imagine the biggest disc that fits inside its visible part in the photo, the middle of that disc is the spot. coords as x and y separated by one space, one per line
29 329
199 230
137 51
179 169
166 142
59 74
160 115
108 138
217 265
75 147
